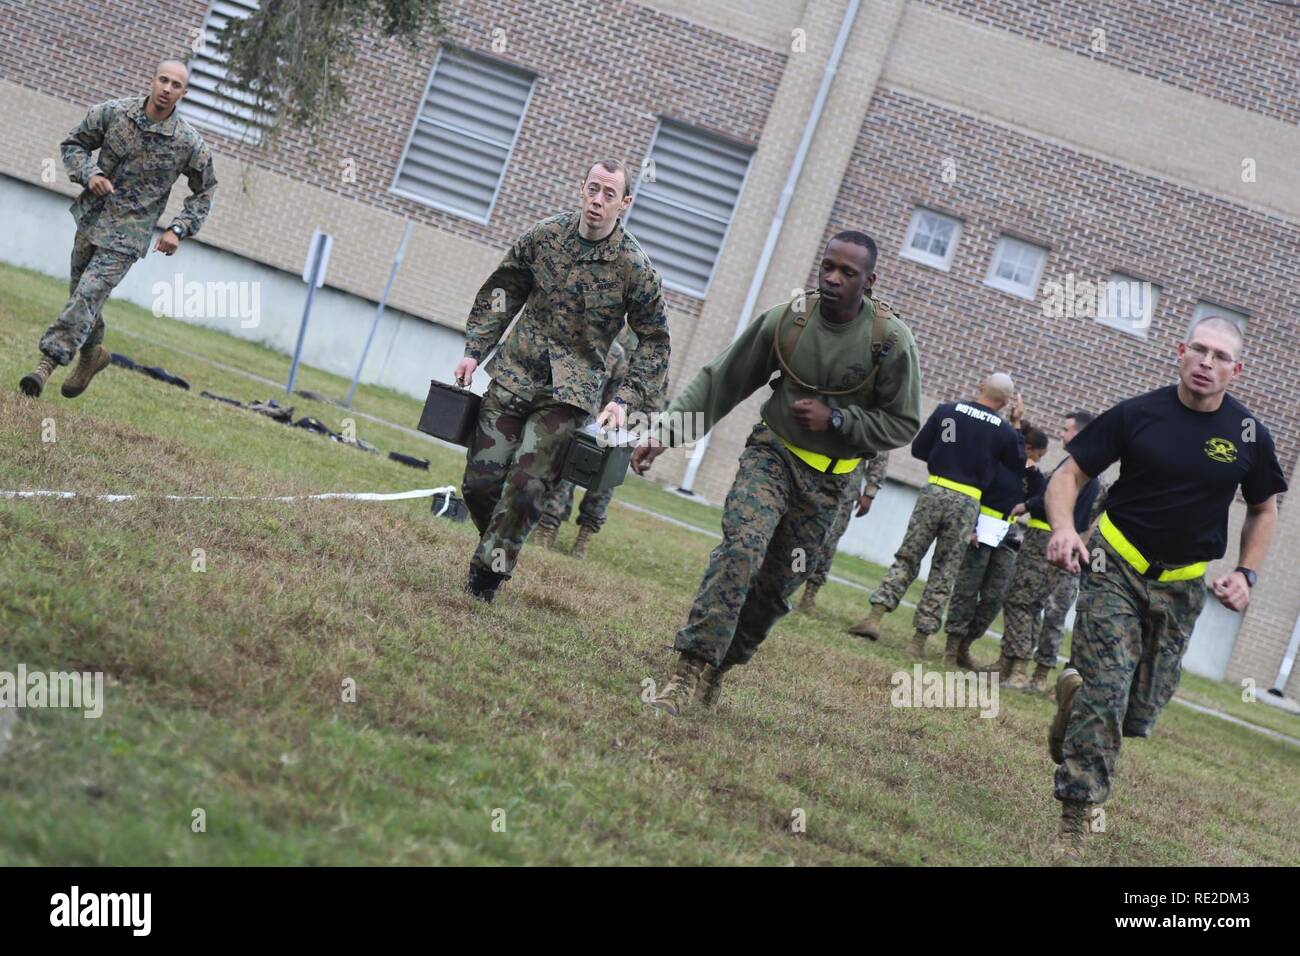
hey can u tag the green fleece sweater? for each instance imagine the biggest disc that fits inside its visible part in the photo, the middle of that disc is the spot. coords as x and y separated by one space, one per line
883 415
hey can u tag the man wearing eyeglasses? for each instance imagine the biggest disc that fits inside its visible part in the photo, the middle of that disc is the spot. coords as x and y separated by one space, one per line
1183 450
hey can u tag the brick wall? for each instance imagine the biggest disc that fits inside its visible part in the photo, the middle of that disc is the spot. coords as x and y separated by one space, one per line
1095 217
1243 52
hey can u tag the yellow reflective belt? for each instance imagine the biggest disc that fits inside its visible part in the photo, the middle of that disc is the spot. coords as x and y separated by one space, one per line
1124 548
956 486
1039 524
822 463
986 510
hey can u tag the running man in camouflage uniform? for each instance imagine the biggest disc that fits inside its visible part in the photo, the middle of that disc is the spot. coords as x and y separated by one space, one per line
144 147
595 504
962 444
1183 450
1025 624
576 276
986 569
849 386
861 490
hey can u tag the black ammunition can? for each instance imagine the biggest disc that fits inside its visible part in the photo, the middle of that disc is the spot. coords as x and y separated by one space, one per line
594 465
449 413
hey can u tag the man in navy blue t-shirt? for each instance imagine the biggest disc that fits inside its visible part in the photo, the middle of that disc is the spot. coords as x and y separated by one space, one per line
1183 450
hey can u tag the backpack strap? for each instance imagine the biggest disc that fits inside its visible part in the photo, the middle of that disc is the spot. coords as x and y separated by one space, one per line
785 340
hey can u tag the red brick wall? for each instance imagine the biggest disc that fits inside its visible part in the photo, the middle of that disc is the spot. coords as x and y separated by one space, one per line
606 72
1095 216
1243 52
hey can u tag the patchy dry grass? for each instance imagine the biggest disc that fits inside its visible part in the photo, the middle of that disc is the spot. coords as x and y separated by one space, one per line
226 685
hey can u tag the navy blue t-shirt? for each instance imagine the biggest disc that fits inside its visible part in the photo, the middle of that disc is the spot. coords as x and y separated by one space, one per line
967 442
1179 471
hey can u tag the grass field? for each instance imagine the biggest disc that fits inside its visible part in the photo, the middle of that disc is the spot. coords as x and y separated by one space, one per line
226 686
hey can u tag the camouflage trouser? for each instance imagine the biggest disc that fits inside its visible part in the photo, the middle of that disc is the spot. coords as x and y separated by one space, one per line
1129 637
513 462
777 514
980 589
819 564
1031 584
945 517
95 273
1064 589
559 505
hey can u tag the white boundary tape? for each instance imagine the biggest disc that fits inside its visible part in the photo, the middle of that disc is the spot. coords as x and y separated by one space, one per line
446 491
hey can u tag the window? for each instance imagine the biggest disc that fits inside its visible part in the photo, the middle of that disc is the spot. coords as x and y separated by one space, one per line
1127 304
467 124
684 203
1016 267
931 239
209 102
1205 309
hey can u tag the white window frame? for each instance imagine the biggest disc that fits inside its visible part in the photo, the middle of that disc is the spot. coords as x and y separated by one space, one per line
1206 308
993 280
925 257
510 150
244 125
726 232
1139 329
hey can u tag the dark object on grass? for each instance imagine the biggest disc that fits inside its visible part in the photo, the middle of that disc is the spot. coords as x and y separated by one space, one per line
274 410
595 466
314 396
121 360
409 460
315 425
222 398
449 413
456 509
160 373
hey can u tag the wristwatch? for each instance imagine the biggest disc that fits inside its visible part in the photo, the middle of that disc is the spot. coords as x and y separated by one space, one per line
1250 576
176 228
837 419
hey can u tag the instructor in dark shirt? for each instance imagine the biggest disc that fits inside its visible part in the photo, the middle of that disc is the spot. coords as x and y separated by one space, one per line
1183 450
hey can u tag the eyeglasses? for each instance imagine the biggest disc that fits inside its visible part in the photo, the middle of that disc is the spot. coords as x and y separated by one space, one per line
1202 352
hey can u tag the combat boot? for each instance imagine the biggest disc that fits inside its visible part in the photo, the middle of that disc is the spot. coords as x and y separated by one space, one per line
808 604
34 381
1067 685
869 626
90 364
544 536
956 653
709 691
1072 838
1038 683
679 690
583 542
1001 667
1017 677
916 646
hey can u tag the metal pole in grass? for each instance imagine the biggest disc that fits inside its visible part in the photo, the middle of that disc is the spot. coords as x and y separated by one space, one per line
313 273
379 312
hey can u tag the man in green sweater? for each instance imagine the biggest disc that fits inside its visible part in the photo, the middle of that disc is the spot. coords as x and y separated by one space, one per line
849 385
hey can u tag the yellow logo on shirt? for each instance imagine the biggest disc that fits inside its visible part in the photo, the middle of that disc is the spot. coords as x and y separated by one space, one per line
1220 449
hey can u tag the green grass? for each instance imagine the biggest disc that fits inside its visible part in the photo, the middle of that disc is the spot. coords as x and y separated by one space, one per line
226 685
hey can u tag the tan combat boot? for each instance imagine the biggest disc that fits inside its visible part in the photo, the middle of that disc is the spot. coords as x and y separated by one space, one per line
544 535
34 381
1017 678
88 366
709 691
1038 683
1067 685
951 646
679 690
1072 838
582 542
869 626
916 646
808 604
